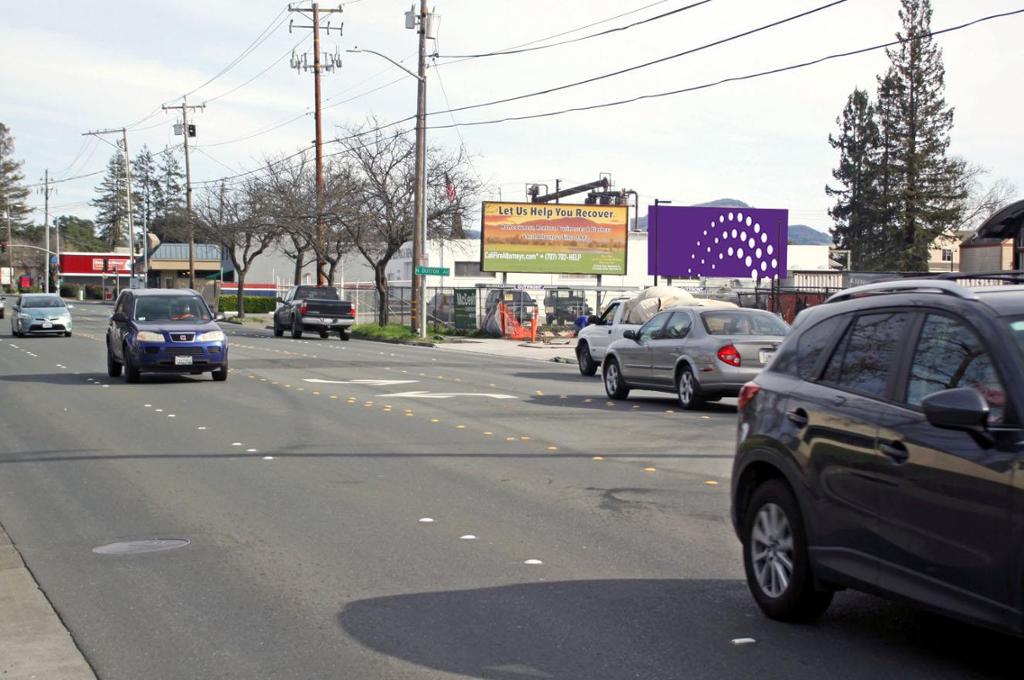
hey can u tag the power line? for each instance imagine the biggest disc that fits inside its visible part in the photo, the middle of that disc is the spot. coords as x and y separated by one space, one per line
261 73
734 79
655 95
573 30
609 31
259 40
66 179
661 60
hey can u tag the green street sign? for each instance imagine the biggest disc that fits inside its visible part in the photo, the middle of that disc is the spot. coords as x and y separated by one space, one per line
432 271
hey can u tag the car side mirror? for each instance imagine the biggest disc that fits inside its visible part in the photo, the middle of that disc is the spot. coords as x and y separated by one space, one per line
119 317
630 335
219 316
962 408
593 320
71 306
279 299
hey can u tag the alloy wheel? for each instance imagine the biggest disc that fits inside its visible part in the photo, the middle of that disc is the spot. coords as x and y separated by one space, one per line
771 550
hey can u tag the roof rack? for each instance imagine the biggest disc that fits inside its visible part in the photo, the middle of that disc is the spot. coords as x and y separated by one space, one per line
1013 276
924 285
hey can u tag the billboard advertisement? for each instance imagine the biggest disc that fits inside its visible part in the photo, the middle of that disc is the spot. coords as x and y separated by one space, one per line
720 242
560 238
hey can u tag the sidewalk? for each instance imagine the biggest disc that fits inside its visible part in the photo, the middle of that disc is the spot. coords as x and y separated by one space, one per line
33 641
563 351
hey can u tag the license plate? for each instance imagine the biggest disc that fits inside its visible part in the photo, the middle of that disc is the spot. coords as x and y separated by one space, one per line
765 357
183 361
47 324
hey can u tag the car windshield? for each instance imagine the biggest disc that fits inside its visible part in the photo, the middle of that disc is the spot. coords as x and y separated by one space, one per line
172 308
742 322
41 302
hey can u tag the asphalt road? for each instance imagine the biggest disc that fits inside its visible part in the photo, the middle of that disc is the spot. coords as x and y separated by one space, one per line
310 557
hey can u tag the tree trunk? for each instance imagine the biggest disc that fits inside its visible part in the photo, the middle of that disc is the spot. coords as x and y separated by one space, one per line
332 269
380 279
300 259
240 294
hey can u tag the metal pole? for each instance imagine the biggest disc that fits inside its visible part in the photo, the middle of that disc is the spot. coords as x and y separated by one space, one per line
321 277
131 207
655 237
56 232
46 226
188 200
420 204
10 244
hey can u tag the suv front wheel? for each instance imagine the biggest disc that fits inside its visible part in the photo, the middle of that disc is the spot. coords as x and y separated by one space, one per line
614 384
775 556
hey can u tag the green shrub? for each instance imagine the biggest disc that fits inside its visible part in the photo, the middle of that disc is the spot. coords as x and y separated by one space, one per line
70 290
393 332
254 304
93 291
30 289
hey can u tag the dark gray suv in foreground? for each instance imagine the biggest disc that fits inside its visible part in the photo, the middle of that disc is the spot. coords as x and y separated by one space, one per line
882 450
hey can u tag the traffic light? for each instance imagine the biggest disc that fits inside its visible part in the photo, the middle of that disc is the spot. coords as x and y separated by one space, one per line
191 130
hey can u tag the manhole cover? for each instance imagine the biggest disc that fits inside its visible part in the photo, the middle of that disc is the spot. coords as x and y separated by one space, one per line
143 546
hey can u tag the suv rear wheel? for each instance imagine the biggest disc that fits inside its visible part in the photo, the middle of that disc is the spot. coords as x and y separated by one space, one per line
296 329
775 556
113 366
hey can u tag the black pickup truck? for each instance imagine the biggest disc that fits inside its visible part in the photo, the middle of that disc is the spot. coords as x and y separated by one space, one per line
313 308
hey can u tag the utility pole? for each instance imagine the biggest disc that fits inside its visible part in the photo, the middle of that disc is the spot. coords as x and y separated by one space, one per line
423 23
188 131
128 187
328 62
46 227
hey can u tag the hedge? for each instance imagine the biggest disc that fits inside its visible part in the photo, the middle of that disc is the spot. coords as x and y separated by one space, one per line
254 304
69 290
93 291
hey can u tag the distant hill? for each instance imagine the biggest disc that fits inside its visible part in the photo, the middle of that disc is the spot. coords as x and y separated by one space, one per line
802 235
799 234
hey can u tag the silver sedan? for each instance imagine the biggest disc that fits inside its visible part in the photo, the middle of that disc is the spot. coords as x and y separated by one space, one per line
700 354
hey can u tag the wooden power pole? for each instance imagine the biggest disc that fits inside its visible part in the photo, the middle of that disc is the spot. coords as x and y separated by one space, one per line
188 131
322 61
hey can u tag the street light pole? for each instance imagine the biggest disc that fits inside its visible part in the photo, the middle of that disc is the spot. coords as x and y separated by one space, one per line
657 202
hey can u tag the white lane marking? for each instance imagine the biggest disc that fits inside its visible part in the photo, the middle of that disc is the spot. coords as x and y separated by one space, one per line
446 395
371 383
268 458
147 406
743 641
468 537
171 415
236 443
201 427
158 410
533 562
251 451
426 520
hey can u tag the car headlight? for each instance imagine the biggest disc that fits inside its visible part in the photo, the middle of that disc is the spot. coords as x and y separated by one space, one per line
25 317
211 336
148 336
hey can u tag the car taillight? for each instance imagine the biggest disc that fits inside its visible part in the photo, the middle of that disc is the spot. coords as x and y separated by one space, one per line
352 310
303 309
730 355
747 393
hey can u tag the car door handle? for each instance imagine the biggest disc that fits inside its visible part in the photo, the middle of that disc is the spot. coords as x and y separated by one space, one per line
798 417
895 450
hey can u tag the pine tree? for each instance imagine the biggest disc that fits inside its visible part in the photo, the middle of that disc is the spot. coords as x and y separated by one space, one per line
927 188
856 211
144 186
112 204
13 193
168 197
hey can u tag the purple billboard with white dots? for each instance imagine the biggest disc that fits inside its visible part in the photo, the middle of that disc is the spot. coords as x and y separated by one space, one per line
728 242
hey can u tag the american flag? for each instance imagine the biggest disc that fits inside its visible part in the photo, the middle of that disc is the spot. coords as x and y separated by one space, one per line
449 188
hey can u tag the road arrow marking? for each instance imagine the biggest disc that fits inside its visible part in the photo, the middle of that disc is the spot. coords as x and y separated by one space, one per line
371 383
446 395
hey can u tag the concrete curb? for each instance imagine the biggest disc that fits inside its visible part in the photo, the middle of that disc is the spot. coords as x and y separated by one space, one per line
411 343
33 640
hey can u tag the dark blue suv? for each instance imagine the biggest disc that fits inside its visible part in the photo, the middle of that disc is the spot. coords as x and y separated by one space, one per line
883 450
164 331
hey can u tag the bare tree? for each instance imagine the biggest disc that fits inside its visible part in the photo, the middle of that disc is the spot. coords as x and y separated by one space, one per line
379 219
291 201
983 199
238 220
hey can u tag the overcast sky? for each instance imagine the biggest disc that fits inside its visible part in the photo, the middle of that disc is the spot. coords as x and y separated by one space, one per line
107 63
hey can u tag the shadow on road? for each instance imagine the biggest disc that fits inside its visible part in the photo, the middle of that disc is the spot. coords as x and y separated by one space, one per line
588 630
81 380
